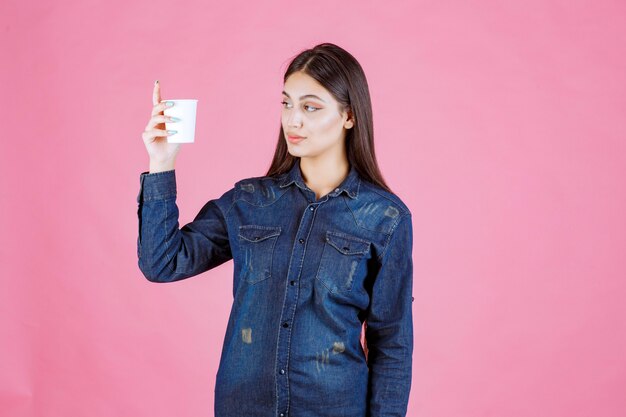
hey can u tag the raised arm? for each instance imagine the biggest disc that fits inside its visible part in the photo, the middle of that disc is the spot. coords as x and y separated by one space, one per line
165 252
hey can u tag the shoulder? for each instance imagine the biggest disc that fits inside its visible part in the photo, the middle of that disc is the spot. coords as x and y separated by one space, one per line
249 183
375 193
376 209
258 191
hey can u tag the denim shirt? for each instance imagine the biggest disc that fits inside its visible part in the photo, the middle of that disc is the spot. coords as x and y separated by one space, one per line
307 273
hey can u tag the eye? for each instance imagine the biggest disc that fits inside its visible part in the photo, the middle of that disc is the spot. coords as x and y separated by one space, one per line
284 103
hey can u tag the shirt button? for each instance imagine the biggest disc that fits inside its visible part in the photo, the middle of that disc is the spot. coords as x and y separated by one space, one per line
311 208
282 414
282 371
336 190
301 240
292 282
285 324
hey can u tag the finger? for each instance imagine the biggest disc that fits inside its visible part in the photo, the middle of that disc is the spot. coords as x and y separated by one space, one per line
158 108
158 119
152 133
156 93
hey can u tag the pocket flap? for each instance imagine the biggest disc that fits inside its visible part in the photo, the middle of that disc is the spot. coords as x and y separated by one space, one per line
346 244
257 233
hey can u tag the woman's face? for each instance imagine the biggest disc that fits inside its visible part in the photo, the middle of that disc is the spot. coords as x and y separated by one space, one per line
310 111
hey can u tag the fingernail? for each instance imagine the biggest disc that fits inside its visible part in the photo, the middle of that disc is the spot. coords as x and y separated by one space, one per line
156 82
174 119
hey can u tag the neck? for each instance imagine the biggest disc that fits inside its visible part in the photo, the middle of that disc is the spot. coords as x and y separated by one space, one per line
322 176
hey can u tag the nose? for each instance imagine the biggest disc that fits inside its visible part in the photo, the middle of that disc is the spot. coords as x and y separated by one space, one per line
294 119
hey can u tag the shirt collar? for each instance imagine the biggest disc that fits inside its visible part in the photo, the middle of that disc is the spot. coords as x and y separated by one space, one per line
350 184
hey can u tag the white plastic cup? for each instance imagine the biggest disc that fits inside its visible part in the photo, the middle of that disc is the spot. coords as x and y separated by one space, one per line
185 110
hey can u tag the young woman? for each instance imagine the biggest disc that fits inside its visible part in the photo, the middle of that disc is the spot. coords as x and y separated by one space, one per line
322 250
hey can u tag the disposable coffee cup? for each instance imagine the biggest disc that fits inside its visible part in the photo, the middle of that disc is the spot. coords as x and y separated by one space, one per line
185 110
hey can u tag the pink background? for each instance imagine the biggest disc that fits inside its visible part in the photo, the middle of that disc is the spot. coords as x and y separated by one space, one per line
500 124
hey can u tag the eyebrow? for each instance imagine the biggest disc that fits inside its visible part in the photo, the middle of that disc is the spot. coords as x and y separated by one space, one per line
305 96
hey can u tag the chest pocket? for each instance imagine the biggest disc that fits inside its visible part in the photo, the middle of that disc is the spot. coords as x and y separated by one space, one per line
257 247
341 256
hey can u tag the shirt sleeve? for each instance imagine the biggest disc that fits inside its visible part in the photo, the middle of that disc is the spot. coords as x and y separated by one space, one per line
389 326
165 252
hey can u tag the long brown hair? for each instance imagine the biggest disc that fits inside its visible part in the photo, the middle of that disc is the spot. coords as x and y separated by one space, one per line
341 74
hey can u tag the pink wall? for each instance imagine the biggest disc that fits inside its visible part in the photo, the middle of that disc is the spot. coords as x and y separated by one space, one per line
501 124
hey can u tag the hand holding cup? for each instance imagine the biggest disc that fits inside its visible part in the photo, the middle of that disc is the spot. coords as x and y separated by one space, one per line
162 153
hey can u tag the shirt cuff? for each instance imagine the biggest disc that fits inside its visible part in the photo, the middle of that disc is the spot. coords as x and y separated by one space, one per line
157 185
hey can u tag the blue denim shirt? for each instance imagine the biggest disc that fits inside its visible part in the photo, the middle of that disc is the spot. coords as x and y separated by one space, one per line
307 272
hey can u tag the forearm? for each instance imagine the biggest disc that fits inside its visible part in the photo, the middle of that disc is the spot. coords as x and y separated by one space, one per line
390 363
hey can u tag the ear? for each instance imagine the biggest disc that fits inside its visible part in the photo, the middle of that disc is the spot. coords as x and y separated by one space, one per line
349 123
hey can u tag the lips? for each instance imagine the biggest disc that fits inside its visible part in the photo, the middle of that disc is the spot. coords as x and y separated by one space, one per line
295 138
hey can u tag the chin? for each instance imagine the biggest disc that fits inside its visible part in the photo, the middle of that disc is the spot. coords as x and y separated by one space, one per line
294 152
